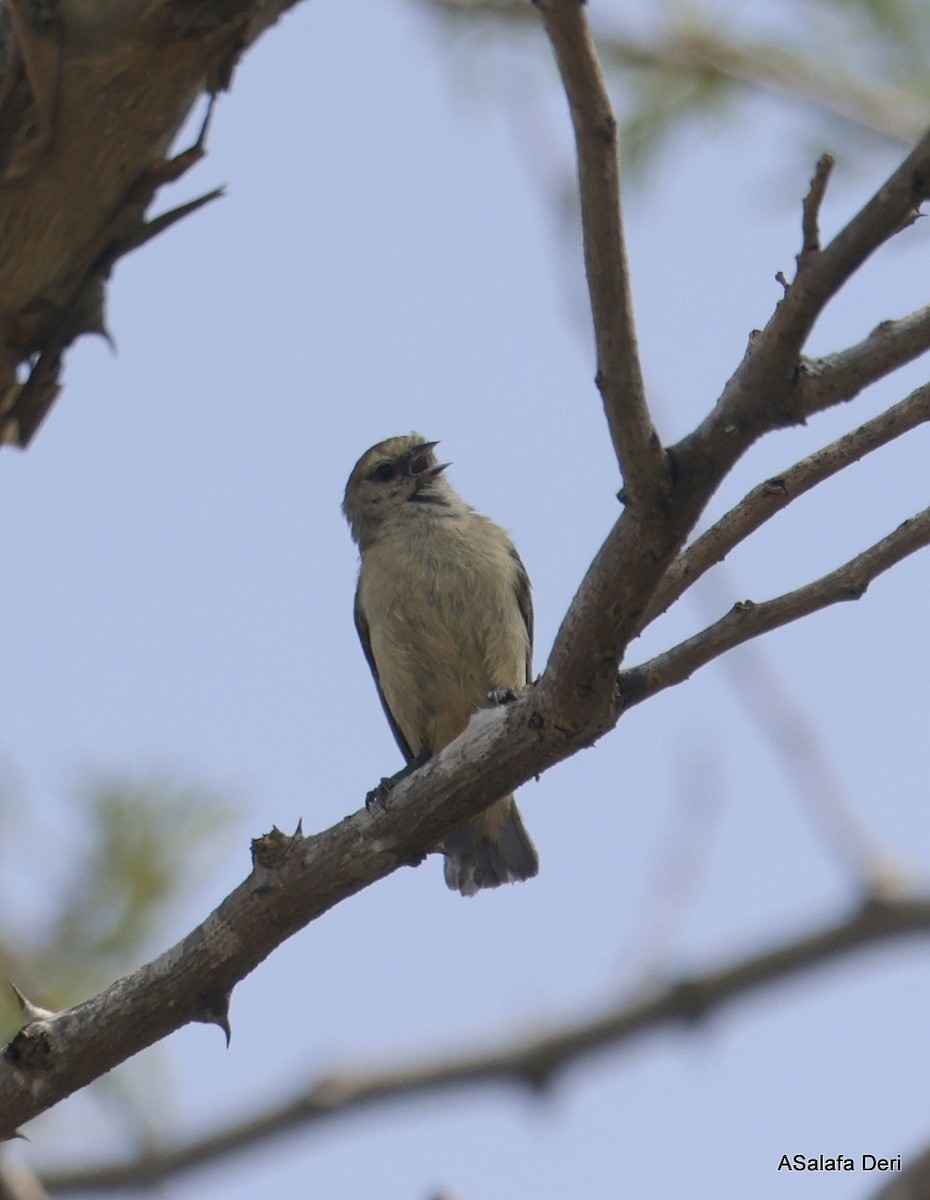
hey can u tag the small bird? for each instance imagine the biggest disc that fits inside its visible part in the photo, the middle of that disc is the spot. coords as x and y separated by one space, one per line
445 619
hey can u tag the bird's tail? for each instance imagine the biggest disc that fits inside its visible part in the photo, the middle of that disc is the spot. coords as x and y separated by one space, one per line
489 850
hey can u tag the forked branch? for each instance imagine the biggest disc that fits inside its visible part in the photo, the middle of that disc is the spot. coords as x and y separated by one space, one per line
762 394
748 620
296 879
778 491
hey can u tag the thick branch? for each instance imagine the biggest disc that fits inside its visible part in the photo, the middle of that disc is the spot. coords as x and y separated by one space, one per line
765 392
619 376
295 880
777 492
91 97
532 1061
748 620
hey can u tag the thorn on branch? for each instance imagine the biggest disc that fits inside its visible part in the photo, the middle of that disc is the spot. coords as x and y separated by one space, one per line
30 1012
170 170
269 854
913 216
213 1009
164 221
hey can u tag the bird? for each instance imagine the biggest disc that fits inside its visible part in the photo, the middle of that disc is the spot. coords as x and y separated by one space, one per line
445 618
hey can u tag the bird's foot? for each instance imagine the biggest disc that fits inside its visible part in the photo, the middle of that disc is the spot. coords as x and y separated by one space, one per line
378 796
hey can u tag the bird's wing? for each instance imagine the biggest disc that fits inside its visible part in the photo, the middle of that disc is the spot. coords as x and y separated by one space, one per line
525 603
365 638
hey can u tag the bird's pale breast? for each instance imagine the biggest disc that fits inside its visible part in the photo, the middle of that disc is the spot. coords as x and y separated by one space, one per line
445 623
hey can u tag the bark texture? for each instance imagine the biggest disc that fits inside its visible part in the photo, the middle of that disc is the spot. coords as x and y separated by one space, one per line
92 94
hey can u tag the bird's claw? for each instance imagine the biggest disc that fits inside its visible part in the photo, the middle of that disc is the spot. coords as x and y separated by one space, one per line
378 796
502 696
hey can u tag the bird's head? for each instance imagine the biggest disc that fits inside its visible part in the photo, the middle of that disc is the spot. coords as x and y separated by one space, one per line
387 478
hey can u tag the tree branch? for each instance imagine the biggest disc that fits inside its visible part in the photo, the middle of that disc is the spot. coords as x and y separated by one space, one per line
17 1183
777 492
835 378
534 1061
91 97
163 66
294 880
748 620
813 201
761 395
609 607
619 375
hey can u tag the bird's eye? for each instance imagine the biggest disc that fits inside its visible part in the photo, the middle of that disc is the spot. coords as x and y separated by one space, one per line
384 473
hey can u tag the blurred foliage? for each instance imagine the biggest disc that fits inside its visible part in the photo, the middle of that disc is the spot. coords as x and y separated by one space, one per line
860 64
134 851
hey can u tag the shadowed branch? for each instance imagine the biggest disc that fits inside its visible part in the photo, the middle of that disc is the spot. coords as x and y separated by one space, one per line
533 1061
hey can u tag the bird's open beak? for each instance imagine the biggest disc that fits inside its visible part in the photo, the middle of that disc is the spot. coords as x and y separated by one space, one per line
420 464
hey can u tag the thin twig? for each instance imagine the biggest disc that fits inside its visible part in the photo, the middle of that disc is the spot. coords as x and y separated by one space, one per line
619 375
761 395
810 211
749 620
533 1061
777 492
836 378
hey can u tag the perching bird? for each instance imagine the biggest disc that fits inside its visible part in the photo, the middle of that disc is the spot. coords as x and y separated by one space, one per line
444 615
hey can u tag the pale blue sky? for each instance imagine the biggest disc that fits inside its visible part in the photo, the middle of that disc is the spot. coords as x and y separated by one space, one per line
178 593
